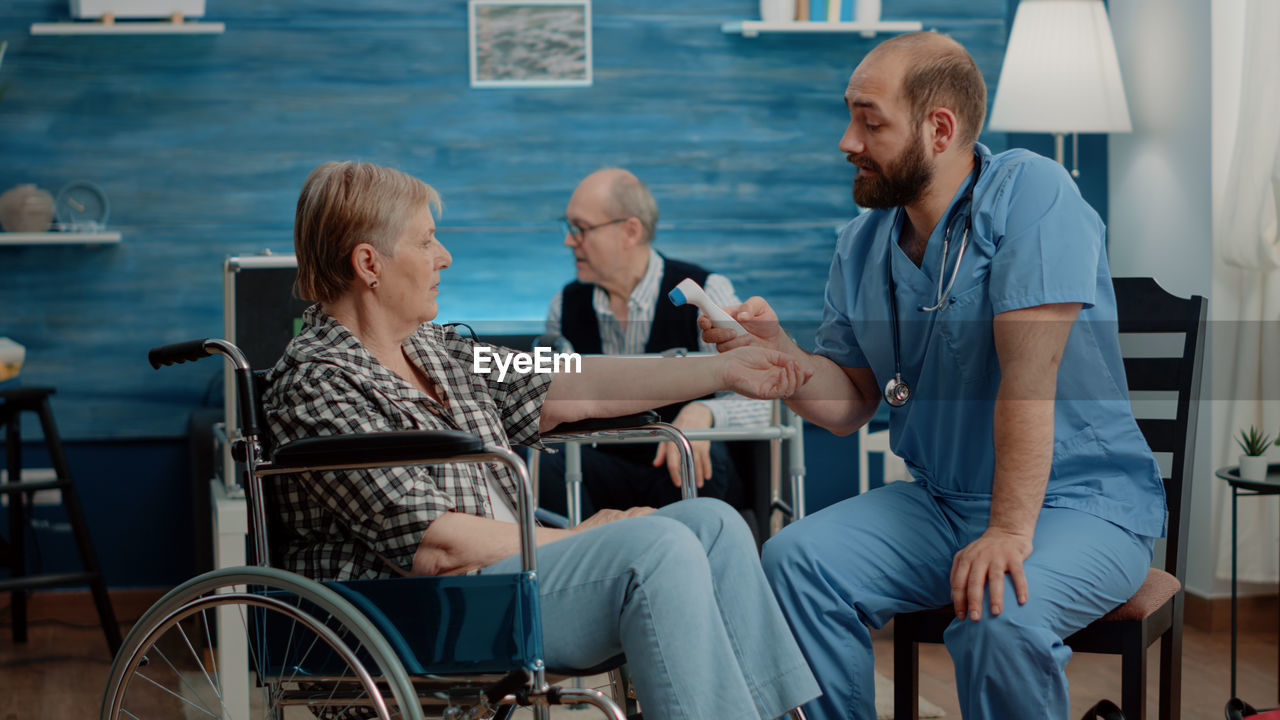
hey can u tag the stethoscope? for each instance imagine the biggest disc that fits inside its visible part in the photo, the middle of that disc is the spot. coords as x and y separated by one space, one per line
897 392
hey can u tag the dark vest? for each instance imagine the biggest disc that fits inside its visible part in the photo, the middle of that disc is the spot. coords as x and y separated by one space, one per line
672 326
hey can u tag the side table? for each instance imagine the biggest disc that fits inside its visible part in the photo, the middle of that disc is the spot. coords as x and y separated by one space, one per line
1241 487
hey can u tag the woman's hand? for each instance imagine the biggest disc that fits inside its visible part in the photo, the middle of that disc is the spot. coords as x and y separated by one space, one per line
608 515
760 373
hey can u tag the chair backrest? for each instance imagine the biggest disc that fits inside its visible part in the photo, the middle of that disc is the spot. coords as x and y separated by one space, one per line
1165 366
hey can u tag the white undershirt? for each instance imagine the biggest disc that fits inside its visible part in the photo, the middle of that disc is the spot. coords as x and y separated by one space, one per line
502 510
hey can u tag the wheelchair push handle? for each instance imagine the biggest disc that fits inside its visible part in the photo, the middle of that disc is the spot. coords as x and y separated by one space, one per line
190 350
193 350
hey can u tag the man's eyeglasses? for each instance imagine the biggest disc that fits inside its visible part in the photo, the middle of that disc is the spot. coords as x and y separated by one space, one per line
576 231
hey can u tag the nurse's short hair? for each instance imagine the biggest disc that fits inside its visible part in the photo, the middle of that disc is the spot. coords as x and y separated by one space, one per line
941 73
343 204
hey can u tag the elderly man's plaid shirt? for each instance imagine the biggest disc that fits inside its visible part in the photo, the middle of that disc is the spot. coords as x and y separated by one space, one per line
354 523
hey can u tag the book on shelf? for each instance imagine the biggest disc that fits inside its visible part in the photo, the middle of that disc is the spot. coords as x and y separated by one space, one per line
825 10
836 10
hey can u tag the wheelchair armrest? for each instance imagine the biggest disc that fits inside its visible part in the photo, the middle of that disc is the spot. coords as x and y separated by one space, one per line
376 448
591 425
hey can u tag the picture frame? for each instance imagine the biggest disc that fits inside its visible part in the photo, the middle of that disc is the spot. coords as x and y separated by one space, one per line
529 43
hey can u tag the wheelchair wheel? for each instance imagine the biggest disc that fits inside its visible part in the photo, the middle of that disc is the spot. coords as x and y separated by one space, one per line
310 654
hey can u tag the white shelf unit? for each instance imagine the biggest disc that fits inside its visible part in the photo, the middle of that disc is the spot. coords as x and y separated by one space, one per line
132 27
752 28
59 238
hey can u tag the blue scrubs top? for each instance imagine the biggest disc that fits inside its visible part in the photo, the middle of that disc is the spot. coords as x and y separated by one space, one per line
1034 241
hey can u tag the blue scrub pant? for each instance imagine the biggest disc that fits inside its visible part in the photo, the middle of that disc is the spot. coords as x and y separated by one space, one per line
856 564
681 592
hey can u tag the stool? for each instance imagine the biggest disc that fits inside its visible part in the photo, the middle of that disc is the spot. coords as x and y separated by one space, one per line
12 404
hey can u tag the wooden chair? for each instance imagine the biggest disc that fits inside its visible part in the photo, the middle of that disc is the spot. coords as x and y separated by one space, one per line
1155 611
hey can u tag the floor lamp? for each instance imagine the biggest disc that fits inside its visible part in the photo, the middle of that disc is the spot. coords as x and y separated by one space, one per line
1060 74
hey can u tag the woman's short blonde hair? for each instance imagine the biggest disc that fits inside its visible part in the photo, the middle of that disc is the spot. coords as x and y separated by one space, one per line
342 205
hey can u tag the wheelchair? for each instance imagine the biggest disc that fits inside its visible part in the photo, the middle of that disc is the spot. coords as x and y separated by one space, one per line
413 647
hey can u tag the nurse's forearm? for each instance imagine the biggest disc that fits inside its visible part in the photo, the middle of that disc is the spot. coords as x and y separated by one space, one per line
837 398
1024 454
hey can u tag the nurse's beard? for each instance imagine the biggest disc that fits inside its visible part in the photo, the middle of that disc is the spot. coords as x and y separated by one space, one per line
902 184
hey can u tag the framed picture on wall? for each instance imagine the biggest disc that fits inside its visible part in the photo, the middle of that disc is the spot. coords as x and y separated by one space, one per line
530 43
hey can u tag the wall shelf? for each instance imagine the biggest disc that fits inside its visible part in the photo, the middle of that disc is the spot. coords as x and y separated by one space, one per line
59 238
752 28
163 27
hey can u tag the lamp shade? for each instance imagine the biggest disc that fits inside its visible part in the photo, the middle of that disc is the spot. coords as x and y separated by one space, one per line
1060 71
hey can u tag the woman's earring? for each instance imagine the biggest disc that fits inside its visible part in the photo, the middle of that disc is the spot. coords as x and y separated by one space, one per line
373 284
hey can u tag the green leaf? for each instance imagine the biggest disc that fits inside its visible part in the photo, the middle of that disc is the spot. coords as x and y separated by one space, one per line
1253 442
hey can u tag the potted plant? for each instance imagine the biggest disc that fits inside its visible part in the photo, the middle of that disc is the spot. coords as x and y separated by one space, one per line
1253 466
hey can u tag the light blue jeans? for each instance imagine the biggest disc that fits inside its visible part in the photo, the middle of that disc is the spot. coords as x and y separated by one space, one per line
681 592
856 564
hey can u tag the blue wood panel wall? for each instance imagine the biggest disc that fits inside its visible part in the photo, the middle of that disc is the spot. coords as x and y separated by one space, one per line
202 142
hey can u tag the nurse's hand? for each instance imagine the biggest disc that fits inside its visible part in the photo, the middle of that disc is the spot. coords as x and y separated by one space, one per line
756 317
984 563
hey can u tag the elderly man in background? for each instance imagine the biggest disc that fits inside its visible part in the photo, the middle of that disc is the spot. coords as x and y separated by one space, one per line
618 306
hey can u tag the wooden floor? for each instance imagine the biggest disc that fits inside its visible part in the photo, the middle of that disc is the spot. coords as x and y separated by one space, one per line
60 671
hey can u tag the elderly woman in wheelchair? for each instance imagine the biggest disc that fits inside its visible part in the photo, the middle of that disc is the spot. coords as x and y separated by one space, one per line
678 590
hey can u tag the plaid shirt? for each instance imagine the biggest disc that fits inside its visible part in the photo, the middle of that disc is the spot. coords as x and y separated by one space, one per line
356 523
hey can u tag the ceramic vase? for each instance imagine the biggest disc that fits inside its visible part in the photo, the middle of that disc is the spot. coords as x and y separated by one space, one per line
777 10
866 11
1253 467
26 208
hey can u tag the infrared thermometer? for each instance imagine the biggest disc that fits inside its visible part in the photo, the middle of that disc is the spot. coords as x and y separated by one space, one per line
688 292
